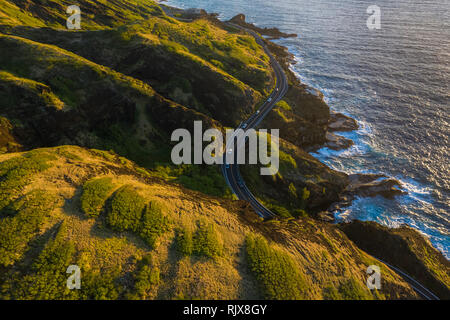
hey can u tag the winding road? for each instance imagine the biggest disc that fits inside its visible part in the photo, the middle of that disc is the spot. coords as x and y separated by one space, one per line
234 179
231 171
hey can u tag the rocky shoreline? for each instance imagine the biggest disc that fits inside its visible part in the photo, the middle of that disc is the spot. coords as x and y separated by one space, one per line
323 130
360 185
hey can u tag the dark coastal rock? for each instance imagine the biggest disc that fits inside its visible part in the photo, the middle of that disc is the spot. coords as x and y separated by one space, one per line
337 142
364 185
274 33
326 216
341 122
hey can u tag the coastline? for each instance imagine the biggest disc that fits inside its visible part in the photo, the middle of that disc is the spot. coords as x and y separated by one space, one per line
360 185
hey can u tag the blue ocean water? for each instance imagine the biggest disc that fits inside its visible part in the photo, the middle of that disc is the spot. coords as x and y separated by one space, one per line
395 81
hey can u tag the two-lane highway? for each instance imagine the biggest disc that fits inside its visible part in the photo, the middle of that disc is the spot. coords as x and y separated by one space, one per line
231 170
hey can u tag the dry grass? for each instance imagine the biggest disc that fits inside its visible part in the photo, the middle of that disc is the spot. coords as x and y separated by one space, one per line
324 255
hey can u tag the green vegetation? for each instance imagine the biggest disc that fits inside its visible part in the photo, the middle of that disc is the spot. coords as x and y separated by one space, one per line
100 285
17 172
184 242
279 210
276 271
95 193
204 242
351 289
47 278
287 162
284 105
48 275
206 179
21 222
96 15
147 279
125 211
154 223
331 293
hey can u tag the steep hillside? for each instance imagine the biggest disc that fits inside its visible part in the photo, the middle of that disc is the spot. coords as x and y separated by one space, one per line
408 250
135 236
303 184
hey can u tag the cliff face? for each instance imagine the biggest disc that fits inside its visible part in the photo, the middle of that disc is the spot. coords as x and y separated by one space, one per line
405 248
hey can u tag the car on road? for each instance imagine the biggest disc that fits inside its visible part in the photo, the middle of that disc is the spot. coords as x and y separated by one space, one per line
257 112
230 151
269 100
227 166
244 126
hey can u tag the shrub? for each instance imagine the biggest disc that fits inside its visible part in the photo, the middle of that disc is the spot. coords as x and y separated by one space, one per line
351 289
154 223
125 210
284 105
47 277
147 280
25 218
97 285
206 241
184 242
95 194
275 270
280 211
17 172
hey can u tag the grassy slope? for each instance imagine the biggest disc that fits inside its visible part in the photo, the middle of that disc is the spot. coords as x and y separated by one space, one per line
231 68
47 71
216 267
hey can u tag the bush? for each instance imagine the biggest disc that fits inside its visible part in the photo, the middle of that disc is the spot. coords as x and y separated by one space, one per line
351 289
275 270
331 293
184 242
206 241
284 105
95 194
17 172
154 223
147 280
25 218
280 211
97 285
125 210
47 278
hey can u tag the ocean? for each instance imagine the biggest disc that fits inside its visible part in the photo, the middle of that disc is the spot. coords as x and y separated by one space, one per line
394 80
